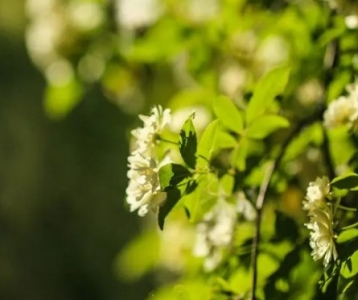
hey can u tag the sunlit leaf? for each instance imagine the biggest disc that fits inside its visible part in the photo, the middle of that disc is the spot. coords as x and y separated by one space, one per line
207 143
239 154
347 235
350 266
271 85
203 198
228 114
263 126
188 142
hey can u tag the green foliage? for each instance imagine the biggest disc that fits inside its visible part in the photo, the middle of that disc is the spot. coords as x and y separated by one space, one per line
228 114
273 140
347 181
207 144
188 142
263 126
271 85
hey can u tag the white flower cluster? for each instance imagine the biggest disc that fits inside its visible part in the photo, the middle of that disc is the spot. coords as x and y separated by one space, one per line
215 233
344 110
321 221
143 189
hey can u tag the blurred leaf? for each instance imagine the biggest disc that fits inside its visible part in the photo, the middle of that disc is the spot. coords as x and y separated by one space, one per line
173 196
172 174
227 184
185 290
60 100
224 140
239 154
188 142
271 85
263 126
131 262
350 266
347 235
207 143
203 198
285 228
347 181
229 115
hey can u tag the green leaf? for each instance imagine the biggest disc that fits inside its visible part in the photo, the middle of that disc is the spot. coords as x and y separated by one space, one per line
271 85
239 154
229 115
207 143
173 196
60 100
172 174
347 181
350 266
224 140
265 125
131 262
203 198
188 142
347 235
227 184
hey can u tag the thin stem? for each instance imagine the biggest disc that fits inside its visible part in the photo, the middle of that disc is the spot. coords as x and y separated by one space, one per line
347 208
350 226
263 190
166 141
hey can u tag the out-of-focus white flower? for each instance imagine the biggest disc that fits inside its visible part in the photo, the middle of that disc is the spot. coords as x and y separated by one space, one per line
321 221
147 136
86 16
203 10
322 236
215 233
132 14
351 22
245 207
201 120
344 110
316 193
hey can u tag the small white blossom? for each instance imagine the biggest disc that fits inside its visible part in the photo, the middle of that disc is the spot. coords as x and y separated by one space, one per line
344 110
245 207
321 221
146 136
322 236
215 233
143 191
143 182
316 193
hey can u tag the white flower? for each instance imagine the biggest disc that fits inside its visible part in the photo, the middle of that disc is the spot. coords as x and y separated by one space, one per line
344 110
316 193
143 191
322 236
245 207
321 221
215 233
146 136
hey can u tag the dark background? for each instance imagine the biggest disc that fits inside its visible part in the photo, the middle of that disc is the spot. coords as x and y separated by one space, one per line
62 213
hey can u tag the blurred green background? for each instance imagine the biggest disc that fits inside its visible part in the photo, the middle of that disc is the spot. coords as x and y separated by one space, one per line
62 213
66 115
